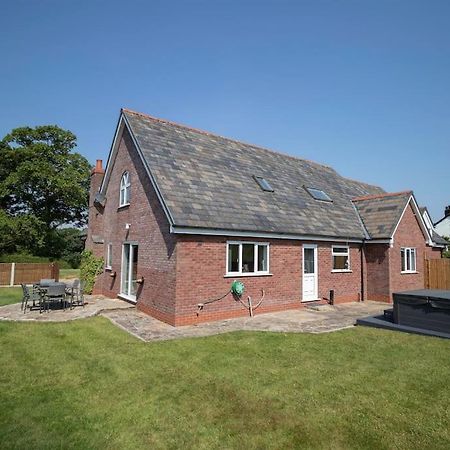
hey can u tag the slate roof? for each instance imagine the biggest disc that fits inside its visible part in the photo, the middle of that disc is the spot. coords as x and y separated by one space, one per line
380 213
206 181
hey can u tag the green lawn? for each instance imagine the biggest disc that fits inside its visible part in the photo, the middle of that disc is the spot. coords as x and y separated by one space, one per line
87 384
10 295
69 273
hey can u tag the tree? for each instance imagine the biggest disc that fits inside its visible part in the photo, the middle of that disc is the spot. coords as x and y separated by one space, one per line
42 177
43 185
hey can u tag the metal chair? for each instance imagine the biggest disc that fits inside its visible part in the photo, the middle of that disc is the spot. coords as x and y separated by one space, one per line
76 292
33 296
55 293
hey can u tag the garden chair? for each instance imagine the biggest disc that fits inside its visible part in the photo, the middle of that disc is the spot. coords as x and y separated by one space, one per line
77 293
54 294
33 296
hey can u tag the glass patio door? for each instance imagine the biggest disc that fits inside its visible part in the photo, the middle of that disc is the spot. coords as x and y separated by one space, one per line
129 270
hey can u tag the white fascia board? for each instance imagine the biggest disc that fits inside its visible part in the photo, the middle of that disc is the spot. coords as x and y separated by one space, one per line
149 173
112 153
123 122
256 235
418 215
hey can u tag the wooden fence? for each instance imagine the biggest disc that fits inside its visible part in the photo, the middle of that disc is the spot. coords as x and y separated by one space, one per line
16 273
437 273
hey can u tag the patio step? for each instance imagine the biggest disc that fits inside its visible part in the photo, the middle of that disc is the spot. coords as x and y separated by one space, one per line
319 305
389 314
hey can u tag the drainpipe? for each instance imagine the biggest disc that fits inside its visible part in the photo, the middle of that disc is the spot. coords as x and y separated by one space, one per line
361 251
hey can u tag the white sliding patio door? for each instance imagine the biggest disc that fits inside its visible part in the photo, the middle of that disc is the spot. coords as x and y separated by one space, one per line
129 271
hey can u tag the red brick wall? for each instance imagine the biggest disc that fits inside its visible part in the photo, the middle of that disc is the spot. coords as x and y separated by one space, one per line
346 285
149 228
95 216
408 234
201 267
377 272
433 253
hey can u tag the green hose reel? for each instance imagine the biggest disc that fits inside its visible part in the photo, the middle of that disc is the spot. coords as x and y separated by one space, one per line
237 288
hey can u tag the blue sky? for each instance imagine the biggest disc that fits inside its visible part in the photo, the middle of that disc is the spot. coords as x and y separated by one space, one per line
362 86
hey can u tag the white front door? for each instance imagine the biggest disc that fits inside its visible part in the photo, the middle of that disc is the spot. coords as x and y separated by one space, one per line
310 285
129 271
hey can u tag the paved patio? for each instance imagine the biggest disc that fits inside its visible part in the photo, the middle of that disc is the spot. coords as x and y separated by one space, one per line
305 320
125 315
94 305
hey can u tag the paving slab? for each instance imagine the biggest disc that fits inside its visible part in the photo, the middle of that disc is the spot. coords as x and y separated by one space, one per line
94 305
302 320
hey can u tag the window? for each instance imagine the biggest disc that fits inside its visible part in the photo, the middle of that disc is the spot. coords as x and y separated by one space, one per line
408 257
108 259
341 258
263 184
125 186
247 258
317 194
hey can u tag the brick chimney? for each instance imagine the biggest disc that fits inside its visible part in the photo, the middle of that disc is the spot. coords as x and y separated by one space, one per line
447 211
97 173
95 220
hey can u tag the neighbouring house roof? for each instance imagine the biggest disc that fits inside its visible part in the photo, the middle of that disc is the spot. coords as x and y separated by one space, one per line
437 239
207 181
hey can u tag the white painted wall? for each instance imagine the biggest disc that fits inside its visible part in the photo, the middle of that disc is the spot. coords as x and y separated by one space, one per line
443 228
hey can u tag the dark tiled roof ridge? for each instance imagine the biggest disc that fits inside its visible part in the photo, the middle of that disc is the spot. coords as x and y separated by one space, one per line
375 196
208 133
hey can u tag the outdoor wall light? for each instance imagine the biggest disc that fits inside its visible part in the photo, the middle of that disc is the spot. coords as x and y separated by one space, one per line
113 274
140 280
127 226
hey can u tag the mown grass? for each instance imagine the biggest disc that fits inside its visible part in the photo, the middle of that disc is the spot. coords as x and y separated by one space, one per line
69 273
9 295
88 384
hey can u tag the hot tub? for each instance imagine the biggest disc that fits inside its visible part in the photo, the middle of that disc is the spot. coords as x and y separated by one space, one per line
424 308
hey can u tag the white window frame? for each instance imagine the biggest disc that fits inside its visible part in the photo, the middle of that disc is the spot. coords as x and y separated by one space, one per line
248 274
333 254
408 257
125 295
108 259
125 188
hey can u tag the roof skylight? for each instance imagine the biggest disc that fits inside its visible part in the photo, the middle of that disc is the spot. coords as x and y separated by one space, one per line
318 194
263 184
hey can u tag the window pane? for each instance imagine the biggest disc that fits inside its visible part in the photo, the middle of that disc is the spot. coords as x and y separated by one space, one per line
109 256
318 194
408 258
233 258
340 263
134 264
308 260
126 269
248 258
343 250
413 259
127 194
263 184
402 256
262 258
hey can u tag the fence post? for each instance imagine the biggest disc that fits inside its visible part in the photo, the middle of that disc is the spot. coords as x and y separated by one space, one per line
13 273
55 271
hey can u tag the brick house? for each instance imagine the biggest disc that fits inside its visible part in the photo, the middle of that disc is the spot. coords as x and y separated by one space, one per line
179 213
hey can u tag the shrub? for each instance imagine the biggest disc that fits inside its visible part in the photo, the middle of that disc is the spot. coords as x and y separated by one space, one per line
90 267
